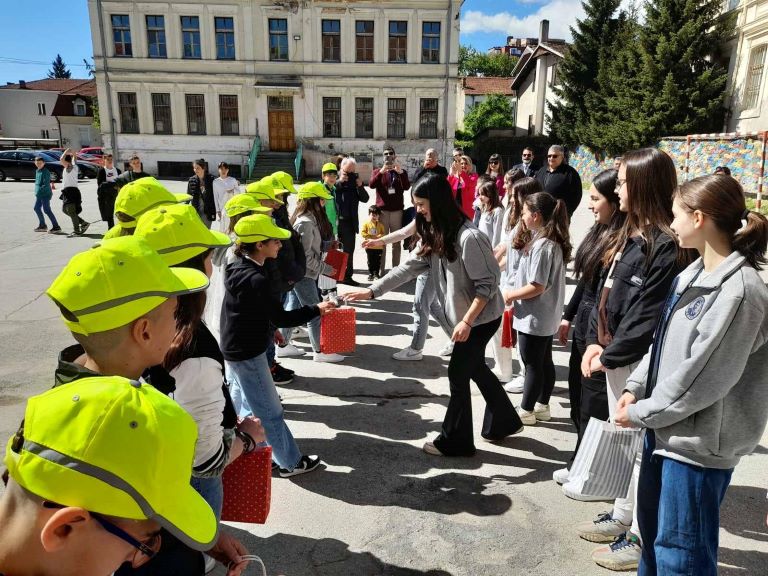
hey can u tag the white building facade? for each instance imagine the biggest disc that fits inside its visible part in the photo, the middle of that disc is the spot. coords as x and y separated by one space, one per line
183 80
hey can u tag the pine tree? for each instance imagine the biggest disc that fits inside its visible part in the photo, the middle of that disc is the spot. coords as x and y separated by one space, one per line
59 69
578 71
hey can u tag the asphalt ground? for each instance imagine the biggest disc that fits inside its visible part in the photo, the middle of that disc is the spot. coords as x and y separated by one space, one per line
380 506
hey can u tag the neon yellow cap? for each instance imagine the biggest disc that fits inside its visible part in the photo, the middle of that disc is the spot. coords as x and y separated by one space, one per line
262 191
330 167
240 203
286 181
275 184
176 232
143 194
314 190
259 227
116 447
116 282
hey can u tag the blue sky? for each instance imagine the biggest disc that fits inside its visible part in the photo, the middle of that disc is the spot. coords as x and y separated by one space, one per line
34 32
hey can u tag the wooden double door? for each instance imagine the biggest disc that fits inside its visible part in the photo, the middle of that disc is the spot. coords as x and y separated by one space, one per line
281 134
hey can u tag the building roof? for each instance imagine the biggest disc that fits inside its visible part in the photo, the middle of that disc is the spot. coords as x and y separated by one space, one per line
529 57
49 84
65 102
475 85
87 88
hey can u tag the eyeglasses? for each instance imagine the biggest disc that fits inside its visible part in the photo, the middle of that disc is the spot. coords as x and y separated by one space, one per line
553 155
493 161
145 551
527 155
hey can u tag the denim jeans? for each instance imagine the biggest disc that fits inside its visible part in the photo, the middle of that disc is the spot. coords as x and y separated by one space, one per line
679 515
44 205
255 381
212 491
304 293
424 302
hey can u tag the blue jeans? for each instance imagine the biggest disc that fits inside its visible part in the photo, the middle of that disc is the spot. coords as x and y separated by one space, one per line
678 510
212 491
254 379
44 205
305 293
424 301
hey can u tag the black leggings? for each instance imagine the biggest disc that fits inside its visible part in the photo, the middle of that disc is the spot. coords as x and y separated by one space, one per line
500 420
536 353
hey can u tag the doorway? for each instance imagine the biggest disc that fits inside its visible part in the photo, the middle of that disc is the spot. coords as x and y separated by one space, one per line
281 135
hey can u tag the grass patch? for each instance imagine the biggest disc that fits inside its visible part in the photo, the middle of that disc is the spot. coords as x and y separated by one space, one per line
763 208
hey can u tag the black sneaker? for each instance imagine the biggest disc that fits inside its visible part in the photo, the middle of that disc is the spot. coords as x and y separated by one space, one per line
284 369
370 277
306 464
350 282
84 227
41 229
275 466
54 229
280 376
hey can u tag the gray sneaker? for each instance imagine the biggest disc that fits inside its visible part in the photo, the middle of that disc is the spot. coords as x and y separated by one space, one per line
603 529
623 554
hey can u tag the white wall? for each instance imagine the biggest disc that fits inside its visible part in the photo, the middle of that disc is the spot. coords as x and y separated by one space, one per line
19 113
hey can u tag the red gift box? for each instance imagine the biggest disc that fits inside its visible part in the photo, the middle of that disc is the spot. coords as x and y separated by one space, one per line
508 335
337 331
338 260
248 487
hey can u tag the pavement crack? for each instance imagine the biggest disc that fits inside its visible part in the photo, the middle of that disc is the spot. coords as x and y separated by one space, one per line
12 312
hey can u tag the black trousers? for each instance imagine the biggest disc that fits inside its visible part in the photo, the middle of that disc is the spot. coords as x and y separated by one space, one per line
106 195
593 403
536 354
578 347
500 420
374 260
347 232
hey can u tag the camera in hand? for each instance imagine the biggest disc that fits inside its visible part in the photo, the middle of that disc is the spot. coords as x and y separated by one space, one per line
352 176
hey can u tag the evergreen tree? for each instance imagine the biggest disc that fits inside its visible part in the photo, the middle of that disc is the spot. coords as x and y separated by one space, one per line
59 69
578 72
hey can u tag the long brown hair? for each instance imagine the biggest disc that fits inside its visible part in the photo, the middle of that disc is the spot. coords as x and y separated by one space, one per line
500 169
554 216
722 199
520 190
313 207
489 190
439 235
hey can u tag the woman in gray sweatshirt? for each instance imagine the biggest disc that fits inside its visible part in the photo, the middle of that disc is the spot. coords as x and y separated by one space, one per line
460 259
701 389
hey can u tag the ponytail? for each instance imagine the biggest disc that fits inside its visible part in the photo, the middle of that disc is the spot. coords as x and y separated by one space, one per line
752 238
555 220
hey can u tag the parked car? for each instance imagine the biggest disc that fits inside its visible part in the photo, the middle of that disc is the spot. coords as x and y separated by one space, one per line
87 169
92 151
20 164
98 160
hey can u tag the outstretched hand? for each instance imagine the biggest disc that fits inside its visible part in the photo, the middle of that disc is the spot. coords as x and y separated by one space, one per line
358 295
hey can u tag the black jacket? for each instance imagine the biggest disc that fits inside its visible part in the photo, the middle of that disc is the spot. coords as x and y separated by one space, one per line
348 197
129 176
249 310
204 198
564 184
579 307
291 263
530 171
636 299
439 170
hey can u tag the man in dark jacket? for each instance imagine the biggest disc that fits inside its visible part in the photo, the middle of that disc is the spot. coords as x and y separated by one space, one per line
430 166
350 191
134 172
527 165
561 180
390 182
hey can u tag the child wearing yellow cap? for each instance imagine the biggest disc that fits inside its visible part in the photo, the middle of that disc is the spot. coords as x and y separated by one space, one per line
249 312
329 177
134 199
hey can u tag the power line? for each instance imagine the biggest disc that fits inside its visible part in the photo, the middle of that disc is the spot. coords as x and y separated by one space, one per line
8 60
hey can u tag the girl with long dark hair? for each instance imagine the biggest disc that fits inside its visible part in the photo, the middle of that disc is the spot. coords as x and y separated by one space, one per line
460 259
490 221
200 187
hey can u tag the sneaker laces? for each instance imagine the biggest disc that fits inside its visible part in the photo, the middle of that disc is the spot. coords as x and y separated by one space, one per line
622 542
603 517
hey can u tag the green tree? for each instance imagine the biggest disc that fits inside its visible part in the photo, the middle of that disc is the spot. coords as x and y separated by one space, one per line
494 112
475 63
59 69
593 40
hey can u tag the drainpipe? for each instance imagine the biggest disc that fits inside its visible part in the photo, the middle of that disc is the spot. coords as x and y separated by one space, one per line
759 199
449 17
110 115
687 157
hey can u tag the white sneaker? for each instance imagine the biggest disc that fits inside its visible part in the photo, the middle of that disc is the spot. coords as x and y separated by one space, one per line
516 386
571 492
289 351
527 418
541 411
320 357
560 476
408 354
446 350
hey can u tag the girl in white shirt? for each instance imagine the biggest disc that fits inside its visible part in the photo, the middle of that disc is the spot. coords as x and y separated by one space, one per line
224 188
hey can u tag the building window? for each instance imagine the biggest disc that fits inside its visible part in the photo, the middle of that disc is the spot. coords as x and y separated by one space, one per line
428 118
190 37
225 38
754 77
44 134
80 108
121 34
41 108
363 117
364 41
129 112
332 117
230 122
430 43
396 118
161 113
195 114
278 39
331 40
156 36
398 41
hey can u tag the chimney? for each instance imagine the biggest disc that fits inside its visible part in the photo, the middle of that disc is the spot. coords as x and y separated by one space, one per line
544 31
22 84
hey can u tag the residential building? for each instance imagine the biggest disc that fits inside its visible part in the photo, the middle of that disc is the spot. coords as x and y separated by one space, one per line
189 79
475 89
533 79
746 98
516 46
74 112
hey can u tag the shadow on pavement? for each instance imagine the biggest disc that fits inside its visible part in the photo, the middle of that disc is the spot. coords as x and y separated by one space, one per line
741 562
743 513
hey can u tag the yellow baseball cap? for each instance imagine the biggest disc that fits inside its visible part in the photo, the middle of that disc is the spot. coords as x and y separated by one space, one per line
277 186
330 167
314 190
117 447
116 282
286 181
259 227
141 195
176 232
262 191
240 203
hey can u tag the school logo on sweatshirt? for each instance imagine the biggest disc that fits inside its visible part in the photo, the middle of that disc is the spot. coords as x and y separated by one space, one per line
694 308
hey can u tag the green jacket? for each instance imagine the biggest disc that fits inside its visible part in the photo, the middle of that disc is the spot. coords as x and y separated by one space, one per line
330 209
43 184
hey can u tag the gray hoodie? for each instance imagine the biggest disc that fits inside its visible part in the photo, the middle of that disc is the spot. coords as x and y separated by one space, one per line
312 242
475 273
709 405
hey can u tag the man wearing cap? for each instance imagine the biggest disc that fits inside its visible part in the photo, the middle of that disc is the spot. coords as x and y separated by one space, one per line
96 469
349 193
390 182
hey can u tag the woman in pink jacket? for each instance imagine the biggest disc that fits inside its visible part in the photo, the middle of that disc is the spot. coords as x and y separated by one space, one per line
495 170
463 181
